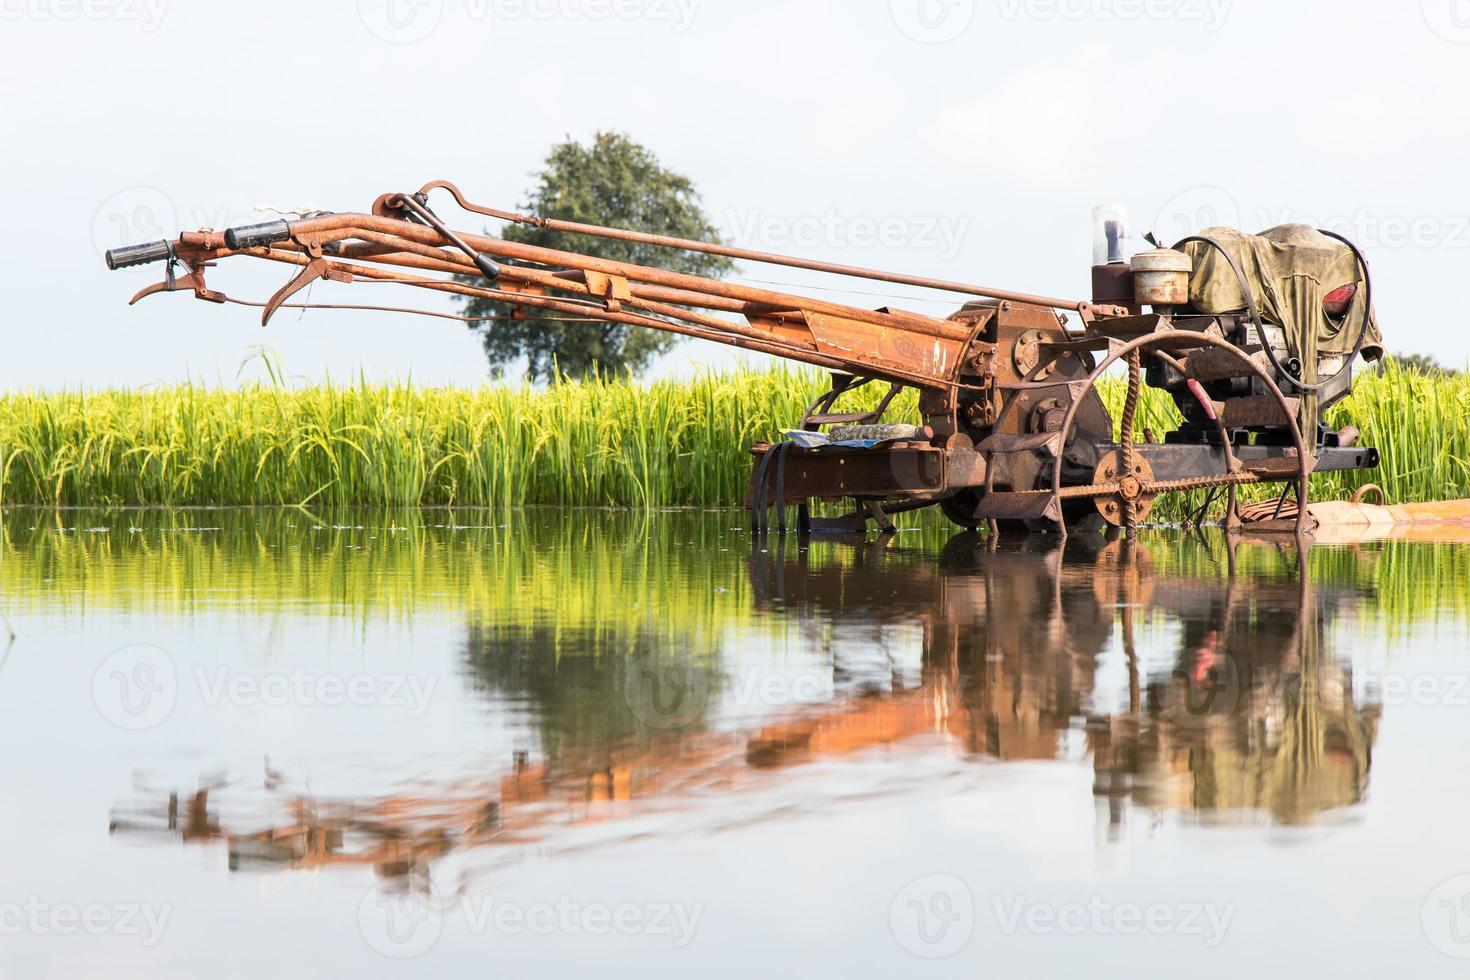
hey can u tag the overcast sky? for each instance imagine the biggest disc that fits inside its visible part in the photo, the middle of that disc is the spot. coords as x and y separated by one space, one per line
960 138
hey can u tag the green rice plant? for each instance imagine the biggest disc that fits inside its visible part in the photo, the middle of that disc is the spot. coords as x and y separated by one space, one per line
606 441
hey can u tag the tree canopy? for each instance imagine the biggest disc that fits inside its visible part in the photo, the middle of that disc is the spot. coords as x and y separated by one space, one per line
618 183
1422 363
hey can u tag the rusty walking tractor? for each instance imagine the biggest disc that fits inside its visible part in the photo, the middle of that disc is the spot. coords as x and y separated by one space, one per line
1253 336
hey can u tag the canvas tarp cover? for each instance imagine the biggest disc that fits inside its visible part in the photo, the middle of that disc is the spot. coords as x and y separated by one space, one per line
1290 269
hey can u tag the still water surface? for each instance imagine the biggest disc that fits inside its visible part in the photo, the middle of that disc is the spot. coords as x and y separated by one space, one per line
249 744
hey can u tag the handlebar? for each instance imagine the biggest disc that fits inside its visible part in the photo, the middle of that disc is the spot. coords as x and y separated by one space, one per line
257 236
131 255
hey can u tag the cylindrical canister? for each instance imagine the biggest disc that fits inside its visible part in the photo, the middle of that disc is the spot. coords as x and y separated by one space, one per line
1161 277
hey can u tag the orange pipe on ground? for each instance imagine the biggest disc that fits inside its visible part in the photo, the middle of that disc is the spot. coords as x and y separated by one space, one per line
1344 522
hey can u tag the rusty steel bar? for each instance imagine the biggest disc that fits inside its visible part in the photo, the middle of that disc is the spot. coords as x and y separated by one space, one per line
366 308
923 351
877 343
339 227
749 255
783 347
531 299
551 280
457 266
724 332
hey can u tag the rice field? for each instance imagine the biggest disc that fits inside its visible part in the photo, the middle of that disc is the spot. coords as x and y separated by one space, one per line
594 443
604 442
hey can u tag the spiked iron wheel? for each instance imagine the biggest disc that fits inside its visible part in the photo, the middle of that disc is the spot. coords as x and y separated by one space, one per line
1128 495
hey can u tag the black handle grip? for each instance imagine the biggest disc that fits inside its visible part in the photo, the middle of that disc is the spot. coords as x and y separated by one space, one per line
130 255
487 266
257 236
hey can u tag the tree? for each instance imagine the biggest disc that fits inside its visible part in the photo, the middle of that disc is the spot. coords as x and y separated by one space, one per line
617 183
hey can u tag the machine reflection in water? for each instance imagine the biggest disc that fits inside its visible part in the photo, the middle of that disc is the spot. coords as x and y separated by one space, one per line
1233 706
